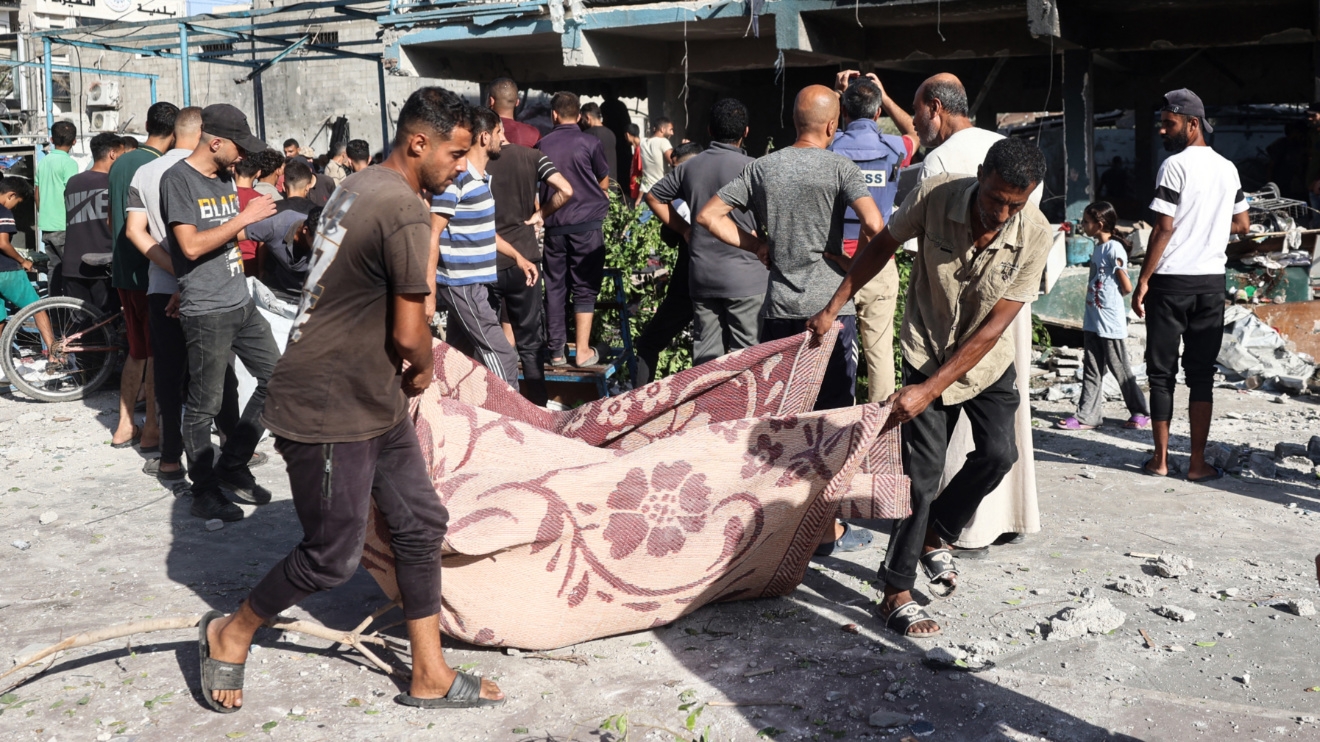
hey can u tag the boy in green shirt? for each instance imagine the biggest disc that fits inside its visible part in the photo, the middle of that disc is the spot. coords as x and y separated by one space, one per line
53 173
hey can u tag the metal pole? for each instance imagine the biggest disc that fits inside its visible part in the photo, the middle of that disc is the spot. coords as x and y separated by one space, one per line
259 104
183 58
384 109
153 91
49 81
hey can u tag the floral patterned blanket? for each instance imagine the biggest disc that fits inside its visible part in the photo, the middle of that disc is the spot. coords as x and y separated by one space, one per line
629 512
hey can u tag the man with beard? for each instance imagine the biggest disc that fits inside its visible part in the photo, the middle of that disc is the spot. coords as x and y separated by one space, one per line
983 248
1181 289
339 408
199 203
462 257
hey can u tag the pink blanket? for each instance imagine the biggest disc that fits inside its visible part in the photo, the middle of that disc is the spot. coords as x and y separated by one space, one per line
629 512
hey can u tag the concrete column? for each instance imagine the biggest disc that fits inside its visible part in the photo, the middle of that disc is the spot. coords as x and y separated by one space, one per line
1078 131
664 97
655 101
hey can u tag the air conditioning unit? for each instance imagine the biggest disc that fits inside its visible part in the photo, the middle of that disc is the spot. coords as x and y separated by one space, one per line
103 93
105 120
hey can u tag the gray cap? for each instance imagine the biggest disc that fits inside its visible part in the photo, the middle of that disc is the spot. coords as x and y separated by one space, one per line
1187 103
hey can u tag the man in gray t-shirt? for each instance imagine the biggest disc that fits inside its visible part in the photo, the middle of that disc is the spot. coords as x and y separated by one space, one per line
200 209
799 195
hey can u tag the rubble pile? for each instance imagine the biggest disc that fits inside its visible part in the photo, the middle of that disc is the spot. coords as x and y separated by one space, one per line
1257 354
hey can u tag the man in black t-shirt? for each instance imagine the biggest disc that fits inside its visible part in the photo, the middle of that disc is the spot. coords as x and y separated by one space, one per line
339 406
199 205
592 125
514 180
87 214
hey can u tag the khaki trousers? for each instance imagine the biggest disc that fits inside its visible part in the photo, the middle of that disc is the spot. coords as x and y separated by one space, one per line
876 302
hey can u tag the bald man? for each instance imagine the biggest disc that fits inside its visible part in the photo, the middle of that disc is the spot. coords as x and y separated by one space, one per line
502 98
799 194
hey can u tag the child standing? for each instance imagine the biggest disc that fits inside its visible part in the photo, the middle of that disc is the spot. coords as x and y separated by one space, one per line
15 287
1104 326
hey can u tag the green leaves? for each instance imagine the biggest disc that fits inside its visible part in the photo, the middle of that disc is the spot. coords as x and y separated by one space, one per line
1206 644
769 733
269 726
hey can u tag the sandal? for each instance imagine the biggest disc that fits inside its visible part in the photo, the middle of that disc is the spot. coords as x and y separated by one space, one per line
939 569
1219 474
465 693
1073 423
853 539
137 436
216 675
1137 422
591 360
908 615
152 469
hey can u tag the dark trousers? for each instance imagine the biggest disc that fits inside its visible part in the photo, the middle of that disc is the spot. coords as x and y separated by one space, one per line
1198 321
53 242
673 315
1101 355
333 486
169 350
574 267
839 385
473 328
211 338
94 291
525 307
925 442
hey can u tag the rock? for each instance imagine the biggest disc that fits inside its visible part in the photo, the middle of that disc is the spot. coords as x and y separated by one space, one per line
1313 448
1231 592
1262 464
28 417
1284 449
1071 391
21 545
1086 474
889 719
1176 613
48 517
1296 464
104 737
1246 678
512 652
214 524
1172 565
1136 588
1219 455
297 711
1301 607
833 696
1177 648
921 728
1279 399
1040 591
1054 394
1096 617
1064 351
945 655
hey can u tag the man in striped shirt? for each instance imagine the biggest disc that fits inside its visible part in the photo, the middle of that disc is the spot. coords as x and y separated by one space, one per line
463 248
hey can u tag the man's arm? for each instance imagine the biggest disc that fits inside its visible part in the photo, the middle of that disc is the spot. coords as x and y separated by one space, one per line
194 243
411 333
669 217
913 399
866 264
1241 223
438 224
714 218
563 191
1159 239
7 249
135 228
503 247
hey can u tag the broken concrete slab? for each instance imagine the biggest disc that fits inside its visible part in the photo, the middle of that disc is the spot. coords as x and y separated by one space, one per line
1137 588
1096 617
1172 565
1175 613
1300 607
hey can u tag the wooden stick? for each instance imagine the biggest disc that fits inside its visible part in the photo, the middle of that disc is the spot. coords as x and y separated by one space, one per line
733 704
575 659
1150 643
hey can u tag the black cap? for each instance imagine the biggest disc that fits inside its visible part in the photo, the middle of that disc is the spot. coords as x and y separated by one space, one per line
1187 103
223 120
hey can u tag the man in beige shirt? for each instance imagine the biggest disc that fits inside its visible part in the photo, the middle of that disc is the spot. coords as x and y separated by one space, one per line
983 248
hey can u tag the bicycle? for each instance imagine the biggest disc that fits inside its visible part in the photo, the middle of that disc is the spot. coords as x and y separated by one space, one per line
84 348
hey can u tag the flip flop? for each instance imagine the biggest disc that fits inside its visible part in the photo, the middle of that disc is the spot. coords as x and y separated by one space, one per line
592 360
152 469
137 436
1137 422
216 675
1148 472
853 539
1219 474
908 615
1073 423
465 693
938 566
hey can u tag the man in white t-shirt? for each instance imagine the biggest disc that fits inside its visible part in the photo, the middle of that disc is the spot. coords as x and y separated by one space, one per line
657 153
1199 200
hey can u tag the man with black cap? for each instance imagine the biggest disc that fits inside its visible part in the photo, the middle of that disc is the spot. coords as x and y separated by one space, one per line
1199 200
199 203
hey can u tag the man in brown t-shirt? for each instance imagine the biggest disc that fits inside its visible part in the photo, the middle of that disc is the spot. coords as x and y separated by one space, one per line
983 248
338 404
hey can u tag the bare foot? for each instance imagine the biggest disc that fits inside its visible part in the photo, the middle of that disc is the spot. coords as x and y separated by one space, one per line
123 436
893 602
235 652
1200 472
1162 469
438 687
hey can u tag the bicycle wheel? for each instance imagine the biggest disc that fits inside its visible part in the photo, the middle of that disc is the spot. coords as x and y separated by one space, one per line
86 349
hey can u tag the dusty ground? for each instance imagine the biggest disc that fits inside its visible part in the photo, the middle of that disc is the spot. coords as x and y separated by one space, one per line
124 548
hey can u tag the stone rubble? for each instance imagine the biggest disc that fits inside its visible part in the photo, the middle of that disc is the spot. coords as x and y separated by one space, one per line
1175 613
1171 565
1098 616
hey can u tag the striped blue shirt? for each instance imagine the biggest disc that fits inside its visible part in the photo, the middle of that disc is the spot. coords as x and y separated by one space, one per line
467 246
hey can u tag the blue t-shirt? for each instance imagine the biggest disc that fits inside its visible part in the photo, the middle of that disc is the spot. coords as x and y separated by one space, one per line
467 246
8 226
1106 315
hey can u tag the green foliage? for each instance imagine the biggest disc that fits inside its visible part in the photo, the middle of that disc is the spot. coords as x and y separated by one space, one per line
629 244
1040 334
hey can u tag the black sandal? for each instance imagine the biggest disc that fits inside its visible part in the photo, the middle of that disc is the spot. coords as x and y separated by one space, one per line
465 693
908 615
216 675
938 566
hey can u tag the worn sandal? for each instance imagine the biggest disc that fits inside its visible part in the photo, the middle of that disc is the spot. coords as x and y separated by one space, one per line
1219 474
906 616
1137 422
1073 423
939 569
853 539
216 675
465 693
132 441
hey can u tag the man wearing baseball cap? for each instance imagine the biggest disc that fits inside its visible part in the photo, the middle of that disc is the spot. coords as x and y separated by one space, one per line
1199 200
199 204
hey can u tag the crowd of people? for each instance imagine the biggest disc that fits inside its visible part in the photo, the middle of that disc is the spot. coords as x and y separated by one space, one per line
501 225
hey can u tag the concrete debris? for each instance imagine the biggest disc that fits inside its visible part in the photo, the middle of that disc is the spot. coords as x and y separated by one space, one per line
945 655
1300 607
889 719
1177 648
21 545
214 524
1175 613
1252 348
1313 448
1262 465
1096 617
1228 458
1137 588
48 517
1172 565
1284 449
833 696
